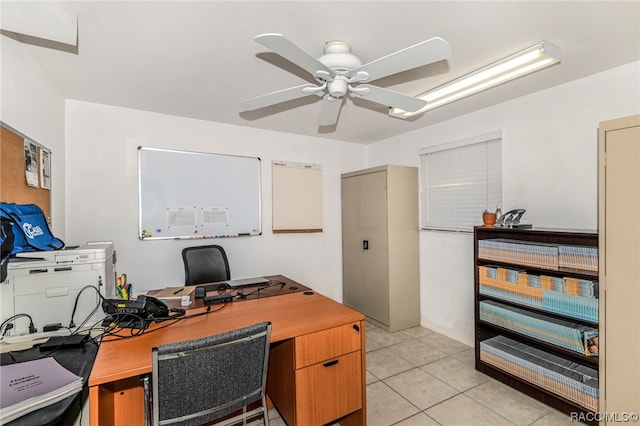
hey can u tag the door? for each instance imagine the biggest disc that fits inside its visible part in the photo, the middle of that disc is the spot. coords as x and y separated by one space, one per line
365 244
621 269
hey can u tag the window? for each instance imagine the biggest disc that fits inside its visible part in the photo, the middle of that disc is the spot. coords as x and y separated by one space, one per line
459 180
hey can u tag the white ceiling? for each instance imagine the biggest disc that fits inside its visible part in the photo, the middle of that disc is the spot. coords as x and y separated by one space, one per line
198 59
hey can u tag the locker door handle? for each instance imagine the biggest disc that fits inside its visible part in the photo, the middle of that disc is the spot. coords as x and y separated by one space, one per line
330 363
365 244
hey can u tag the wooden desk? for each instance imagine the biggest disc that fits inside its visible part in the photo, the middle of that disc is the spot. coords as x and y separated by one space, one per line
316 365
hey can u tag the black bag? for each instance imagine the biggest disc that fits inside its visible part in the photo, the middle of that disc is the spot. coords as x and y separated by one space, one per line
6 247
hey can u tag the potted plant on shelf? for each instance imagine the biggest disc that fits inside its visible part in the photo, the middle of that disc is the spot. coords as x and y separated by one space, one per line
489 219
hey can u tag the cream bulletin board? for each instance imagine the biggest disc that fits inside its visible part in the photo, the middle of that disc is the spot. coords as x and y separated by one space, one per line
297 197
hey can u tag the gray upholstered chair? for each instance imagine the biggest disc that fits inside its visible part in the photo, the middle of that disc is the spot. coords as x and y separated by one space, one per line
205 264
202 380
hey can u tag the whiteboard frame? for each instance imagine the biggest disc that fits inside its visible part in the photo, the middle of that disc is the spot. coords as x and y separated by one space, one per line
206 205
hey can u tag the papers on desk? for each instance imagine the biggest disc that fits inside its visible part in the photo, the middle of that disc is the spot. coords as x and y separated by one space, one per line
28 386
175 292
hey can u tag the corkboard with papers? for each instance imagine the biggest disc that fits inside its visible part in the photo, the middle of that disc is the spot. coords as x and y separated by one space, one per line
24 179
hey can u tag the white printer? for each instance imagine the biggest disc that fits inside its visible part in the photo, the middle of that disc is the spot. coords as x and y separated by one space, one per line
46 284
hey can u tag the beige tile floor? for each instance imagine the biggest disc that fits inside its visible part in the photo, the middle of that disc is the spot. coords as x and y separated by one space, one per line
419 377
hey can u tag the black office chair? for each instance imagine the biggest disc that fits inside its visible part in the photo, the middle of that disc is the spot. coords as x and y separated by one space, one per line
203 380
205 264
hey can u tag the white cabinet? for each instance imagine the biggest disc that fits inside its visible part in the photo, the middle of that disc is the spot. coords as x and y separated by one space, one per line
380 271
619 226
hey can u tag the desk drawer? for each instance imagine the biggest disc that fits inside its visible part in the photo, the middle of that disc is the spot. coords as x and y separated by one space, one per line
323 345
329 390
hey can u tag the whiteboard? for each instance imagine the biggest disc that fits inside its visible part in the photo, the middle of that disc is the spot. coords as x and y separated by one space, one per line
192 195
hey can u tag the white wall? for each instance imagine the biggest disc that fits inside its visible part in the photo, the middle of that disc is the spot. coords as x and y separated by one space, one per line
31 104
102 195
549 167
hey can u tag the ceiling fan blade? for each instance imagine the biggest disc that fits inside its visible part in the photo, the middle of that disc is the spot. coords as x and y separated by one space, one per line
293 53
389 97
329 111
426 52
276 97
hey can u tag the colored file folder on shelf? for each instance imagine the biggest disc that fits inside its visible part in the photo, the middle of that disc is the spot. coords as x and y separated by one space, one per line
573 381
578 257
566 334
542 292
539 255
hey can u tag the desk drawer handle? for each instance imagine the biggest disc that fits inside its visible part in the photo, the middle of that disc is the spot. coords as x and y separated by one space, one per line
330 363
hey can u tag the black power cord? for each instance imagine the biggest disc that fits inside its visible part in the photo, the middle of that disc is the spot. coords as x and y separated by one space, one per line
6 326
75 304
168 321
241 295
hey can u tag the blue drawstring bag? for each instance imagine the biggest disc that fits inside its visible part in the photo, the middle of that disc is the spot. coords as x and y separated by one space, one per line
30 229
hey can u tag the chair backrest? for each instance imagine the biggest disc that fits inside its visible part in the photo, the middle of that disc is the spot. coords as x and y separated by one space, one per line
201 380
205 264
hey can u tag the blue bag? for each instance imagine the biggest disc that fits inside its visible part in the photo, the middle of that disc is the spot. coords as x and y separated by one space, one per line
30 229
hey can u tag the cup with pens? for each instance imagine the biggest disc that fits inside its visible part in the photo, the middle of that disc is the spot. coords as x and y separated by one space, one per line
124 289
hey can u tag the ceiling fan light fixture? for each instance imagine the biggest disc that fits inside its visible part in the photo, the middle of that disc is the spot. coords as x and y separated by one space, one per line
338 87
534 58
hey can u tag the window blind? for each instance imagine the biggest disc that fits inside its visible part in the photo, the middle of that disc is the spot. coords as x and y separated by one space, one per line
459 180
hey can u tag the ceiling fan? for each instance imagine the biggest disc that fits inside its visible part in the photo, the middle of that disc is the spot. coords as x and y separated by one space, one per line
339 72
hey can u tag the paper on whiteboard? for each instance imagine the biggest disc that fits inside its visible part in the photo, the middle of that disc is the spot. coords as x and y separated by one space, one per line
181 216
214 216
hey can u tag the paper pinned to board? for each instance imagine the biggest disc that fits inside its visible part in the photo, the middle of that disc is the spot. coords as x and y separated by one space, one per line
31 163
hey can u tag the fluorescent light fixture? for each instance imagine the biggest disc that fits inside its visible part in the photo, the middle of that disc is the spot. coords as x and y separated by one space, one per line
532 59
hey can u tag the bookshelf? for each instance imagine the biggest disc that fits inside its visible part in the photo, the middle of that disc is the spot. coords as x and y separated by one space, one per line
536 313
